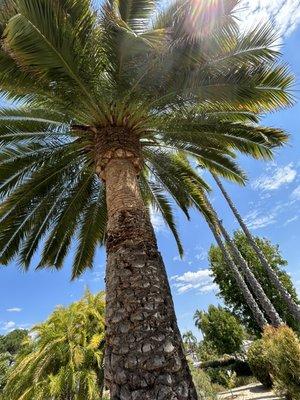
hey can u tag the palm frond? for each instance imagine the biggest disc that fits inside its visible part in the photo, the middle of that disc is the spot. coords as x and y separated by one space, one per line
92 231
156 196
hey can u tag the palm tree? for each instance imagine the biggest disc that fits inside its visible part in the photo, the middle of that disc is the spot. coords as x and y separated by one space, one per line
64 360
253 282
274 279
106 101
242 285
217 226
190 342
201 202
232 256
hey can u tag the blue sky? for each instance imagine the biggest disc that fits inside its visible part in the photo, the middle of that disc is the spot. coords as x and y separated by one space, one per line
270 203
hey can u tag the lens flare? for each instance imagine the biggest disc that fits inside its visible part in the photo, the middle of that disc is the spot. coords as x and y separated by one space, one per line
203 17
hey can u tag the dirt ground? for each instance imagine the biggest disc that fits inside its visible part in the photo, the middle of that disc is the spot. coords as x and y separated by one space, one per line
254 391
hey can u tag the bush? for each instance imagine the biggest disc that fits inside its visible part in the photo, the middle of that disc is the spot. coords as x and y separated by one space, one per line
203 384
259 364
284 356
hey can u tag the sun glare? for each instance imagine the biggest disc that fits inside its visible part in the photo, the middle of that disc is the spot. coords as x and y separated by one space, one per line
204 15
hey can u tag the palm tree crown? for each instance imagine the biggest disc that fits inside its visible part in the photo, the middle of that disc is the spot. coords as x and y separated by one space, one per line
162 86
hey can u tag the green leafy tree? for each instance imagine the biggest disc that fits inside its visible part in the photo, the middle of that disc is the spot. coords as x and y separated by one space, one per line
207 351
109 103
10 345
64 359
229 290
221 328
12 342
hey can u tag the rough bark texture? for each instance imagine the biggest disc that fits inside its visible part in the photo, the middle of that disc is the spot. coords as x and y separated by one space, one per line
251 302
144 352
292 306
256 287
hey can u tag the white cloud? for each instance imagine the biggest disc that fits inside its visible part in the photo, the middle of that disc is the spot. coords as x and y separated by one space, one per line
209 288
14 309
201 255
290 220
283 14
200 280
296 194
279 177
8 326
157 221
257 219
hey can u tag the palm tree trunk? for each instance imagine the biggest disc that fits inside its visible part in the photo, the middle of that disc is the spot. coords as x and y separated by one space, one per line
251 302
262 298
144 357
292 306
256 287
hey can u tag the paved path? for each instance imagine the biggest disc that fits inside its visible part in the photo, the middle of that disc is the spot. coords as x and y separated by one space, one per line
250 392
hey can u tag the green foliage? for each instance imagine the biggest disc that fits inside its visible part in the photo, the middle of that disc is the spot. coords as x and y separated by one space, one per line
156 74
220 328
283 351
259 363
221 376
275 359
207 351
232 295
203 384
65 357
12 342
5 363
190 342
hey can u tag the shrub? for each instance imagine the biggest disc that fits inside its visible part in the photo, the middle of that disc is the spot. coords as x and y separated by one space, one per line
283 348
221 376
259 364
203 384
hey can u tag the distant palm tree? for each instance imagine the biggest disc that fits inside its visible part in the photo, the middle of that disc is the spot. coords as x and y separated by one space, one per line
105 102
218 229
242 285
293 307
256 287
64 360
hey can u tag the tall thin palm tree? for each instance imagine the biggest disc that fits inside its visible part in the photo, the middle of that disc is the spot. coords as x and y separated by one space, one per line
234 260
202 203
64 358
242 285
256 287
104 102
293 307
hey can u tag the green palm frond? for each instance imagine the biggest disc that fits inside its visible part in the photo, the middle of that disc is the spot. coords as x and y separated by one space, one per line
71 210
182 77
154 194
92 231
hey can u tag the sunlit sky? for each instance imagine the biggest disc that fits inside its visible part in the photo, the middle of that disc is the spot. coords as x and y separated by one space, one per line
270 203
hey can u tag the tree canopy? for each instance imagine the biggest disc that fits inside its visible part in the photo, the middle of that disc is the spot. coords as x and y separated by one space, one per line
221 329
232 295
12 342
